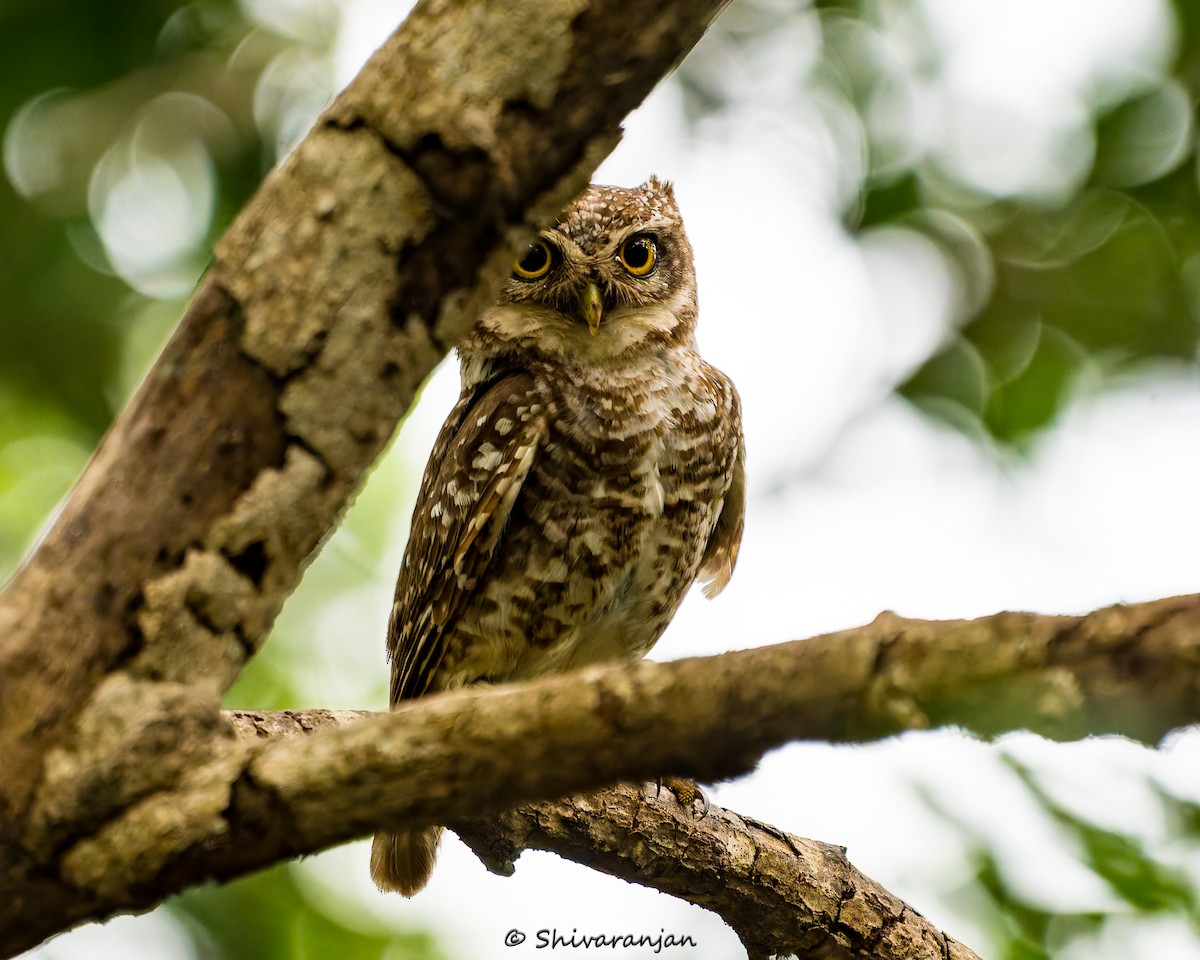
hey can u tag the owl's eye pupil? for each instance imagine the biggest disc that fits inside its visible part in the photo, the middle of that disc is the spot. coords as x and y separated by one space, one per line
639 255
534 262
535 259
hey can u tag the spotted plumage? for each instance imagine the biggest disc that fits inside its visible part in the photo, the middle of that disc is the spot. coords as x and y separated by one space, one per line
591 471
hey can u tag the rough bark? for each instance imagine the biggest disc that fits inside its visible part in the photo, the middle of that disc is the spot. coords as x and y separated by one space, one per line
1127 669
266 796
780 893
354 269
783 895
1131 670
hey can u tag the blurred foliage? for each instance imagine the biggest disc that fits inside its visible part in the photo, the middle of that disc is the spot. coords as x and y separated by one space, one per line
1091 268
61 320
269 917
1146 880
1102 274
1025 931
129 143
1122 862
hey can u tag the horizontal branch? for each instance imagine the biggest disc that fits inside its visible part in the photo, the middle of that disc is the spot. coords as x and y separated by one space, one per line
447 757
780 893
1133 670
1123 669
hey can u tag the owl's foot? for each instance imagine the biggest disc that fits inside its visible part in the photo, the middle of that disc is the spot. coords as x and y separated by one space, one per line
687 792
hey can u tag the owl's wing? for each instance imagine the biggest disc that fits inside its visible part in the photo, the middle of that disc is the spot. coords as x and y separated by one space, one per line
721 552
471 482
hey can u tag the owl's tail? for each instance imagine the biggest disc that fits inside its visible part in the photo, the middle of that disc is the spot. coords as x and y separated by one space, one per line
403 862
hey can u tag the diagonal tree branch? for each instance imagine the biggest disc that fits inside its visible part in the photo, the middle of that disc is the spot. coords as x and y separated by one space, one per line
782 895
1131 669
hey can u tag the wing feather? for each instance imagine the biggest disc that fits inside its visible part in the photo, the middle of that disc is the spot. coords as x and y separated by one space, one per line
481 458
721 552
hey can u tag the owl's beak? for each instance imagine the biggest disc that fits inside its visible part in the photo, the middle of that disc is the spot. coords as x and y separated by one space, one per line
591 307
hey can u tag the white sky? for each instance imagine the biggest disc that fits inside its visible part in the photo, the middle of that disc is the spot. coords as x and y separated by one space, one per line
858 504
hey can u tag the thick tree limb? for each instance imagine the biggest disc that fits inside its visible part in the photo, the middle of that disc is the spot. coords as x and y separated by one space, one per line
448 757
1127 669
780 893
358 264
1133 670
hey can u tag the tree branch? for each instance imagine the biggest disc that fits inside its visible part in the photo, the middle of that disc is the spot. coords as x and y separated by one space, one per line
1128 669
452 756
780 893
713 717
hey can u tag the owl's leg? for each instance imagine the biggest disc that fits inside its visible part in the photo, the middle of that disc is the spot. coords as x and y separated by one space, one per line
687 792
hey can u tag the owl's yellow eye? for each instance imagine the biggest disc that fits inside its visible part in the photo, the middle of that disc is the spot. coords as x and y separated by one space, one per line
639 255
534 262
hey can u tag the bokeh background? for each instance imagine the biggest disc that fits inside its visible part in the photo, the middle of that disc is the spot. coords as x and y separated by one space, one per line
949 251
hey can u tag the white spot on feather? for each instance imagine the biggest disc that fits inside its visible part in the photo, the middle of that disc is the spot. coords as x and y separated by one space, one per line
488 458
655 494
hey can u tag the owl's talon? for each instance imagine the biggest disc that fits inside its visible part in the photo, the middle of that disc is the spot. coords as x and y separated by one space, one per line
687 792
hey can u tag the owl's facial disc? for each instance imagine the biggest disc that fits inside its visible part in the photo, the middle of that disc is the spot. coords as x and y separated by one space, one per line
616 263
591 306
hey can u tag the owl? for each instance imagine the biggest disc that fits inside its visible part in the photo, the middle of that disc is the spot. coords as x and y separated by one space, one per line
591 471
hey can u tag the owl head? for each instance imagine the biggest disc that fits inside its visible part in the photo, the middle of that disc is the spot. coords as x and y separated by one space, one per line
611 279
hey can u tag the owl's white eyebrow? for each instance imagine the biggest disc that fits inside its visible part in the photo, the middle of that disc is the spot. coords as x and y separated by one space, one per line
566 245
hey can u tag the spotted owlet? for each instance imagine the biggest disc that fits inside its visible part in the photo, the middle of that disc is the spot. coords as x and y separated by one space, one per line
590 472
